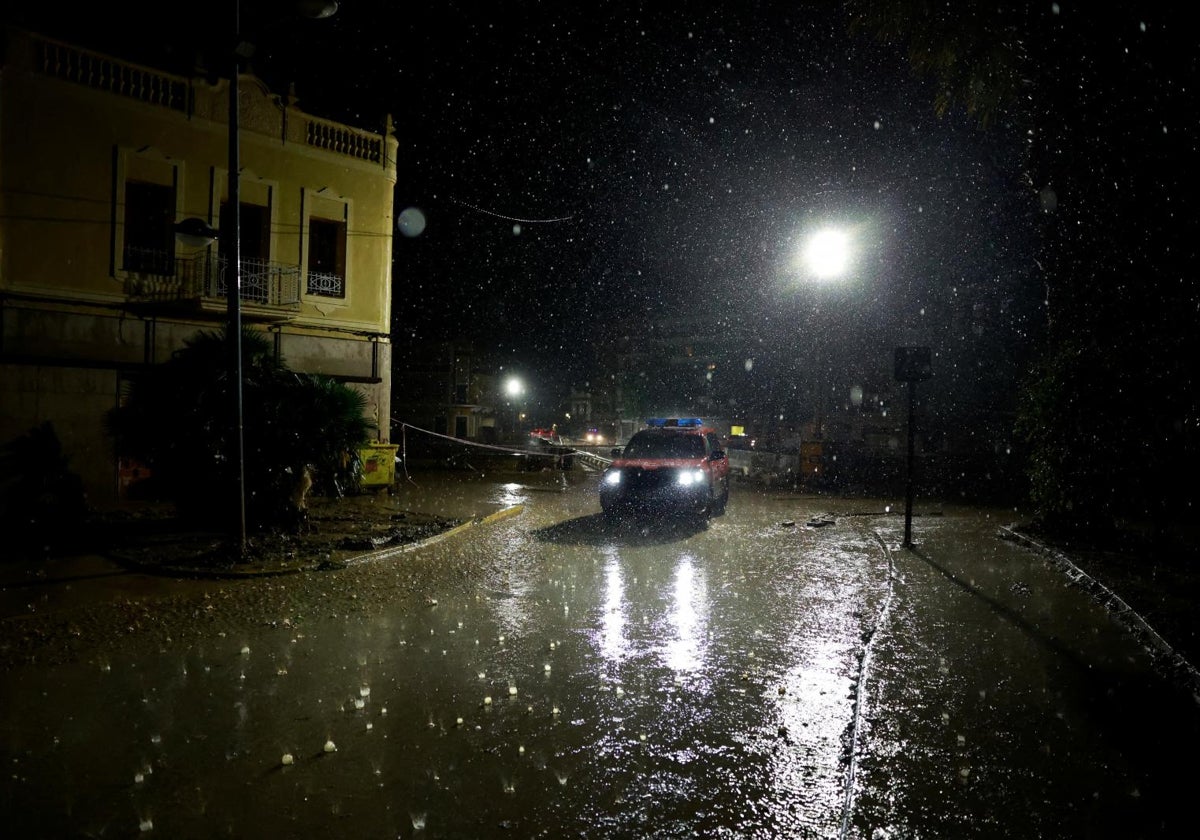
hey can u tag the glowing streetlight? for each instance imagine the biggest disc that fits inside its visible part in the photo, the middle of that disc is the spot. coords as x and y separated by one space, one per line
514 388
826 254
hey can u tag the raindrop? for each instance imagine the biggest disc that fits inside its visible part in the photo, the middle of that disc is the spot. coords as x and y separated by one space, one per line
330 747
458 721
487 701
516 230
365 691
138 778
287 760
359 703
512 691
546 667
146 825
418 822
245 650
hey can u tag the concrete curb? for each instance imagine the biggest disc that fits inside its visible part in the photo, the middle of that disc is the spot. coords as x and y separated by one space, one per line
397 550
1173 663
328 565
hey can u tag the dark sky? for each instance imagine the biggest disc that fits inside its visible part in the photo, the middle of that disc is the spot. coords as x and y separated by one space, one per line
580 164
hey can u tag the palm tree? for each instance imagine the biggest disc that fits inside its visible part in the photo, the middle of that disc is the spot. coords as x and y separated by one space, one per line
297 427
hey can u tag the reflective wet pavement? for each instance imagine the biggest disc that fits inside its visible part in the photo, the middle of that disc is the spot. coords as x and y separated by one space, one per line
755 678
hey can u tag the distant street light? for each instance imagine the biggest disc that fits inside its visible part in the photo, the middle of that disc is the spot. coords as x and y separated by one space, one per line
514 388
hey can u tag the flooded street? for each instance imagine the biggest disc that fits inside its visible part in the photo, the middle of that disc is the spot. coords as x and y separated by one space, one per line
786 671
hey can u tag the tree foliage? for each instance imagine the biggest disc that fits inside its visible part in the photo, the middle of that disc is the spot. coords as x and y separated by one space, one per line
1109 411
179 421
42 502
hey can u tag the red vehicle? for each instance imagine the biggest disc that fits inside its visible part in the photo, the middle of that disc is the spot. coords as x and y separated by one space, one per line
673 465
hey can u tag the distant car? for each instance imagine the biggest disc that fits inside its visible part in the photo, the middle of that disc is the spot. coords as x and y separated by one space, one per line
675 465
544 434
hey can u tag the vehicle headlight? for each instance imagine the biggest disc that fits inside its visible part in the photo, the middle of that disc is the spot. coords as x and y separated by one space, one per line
687 478
612 478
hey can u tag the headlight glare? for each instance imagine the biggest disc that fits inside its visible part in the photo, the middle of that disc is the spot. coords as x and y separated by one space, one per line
612 478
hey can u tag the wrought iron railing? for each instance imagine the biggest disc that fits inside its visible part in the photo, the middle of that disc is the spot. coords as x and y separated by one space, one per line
326 285
161 277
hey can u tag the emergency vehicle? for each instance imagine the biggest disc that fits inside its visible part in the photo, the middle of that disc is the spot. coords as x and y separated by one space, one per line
674 465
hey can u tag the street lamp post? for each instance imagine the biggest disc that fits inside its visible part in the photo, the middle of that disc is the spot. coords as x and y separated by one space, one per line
912 365
825 258
233 284
514 388
197 233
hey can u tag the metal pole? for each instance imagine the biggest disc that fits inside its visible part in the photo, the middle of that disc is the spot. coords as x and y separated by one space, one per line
908 491
233 251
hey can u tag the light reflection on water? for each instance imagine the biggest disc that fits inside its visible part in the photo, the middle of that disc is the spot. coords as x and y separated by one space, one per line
614 644
685 652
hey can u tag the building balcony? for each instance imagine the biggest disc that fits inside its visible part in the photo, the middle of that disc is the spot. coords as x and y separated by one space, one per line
160 282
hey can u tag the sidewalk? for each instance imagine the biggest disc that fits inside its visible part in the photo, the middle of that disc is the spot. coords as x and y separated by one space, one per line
136 552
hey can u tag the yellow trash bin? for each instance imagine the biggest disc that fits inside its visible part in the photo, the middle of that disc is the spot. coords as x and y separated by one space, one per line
378 464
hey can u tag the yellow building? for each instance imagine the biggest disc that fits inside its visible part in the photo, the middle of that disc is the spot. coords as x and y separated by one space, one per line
99 160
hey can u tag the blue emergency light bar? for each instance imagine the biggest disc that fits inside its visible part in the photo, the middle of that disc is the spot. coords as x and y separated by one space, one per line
674 422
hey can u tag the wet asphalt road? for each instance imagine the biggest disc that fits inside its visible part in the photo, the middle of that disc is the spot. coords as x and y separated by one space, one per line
787 671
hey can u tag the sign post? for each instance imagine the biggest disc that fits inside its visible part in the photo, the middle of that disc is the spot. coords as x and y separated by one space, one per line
913 365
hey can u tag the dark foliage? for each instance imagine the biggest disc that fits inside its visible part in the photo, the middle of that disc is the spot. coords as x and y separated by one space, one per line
1108 412
179 421
41 501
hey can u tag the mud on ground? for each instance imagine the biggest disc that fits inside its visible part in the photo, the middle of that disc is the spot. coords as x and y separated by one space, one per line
335 532
205 595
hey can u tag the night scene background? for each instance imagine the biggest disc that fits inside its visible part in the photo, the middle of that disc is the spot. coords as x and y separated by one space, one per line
1016 178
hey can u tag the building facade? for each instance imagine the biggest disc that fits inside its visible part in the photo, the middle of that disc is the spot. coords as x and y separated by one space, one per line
100 159
448 388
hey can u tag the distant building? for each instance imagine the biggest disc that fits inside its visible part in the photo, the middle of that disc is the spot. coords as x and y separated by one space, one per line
447 388
99 159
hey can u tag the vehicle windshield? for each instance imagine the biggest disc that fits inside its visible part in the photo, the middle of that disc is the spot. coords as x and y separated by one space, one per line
664 445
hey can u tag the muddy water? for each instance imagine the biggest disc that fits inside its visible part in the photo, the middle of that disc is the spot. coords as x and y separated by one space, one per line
754 678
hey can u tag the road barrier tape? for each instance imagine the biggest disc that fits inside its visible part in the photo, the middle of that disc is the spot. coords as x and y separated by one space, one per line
591 457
